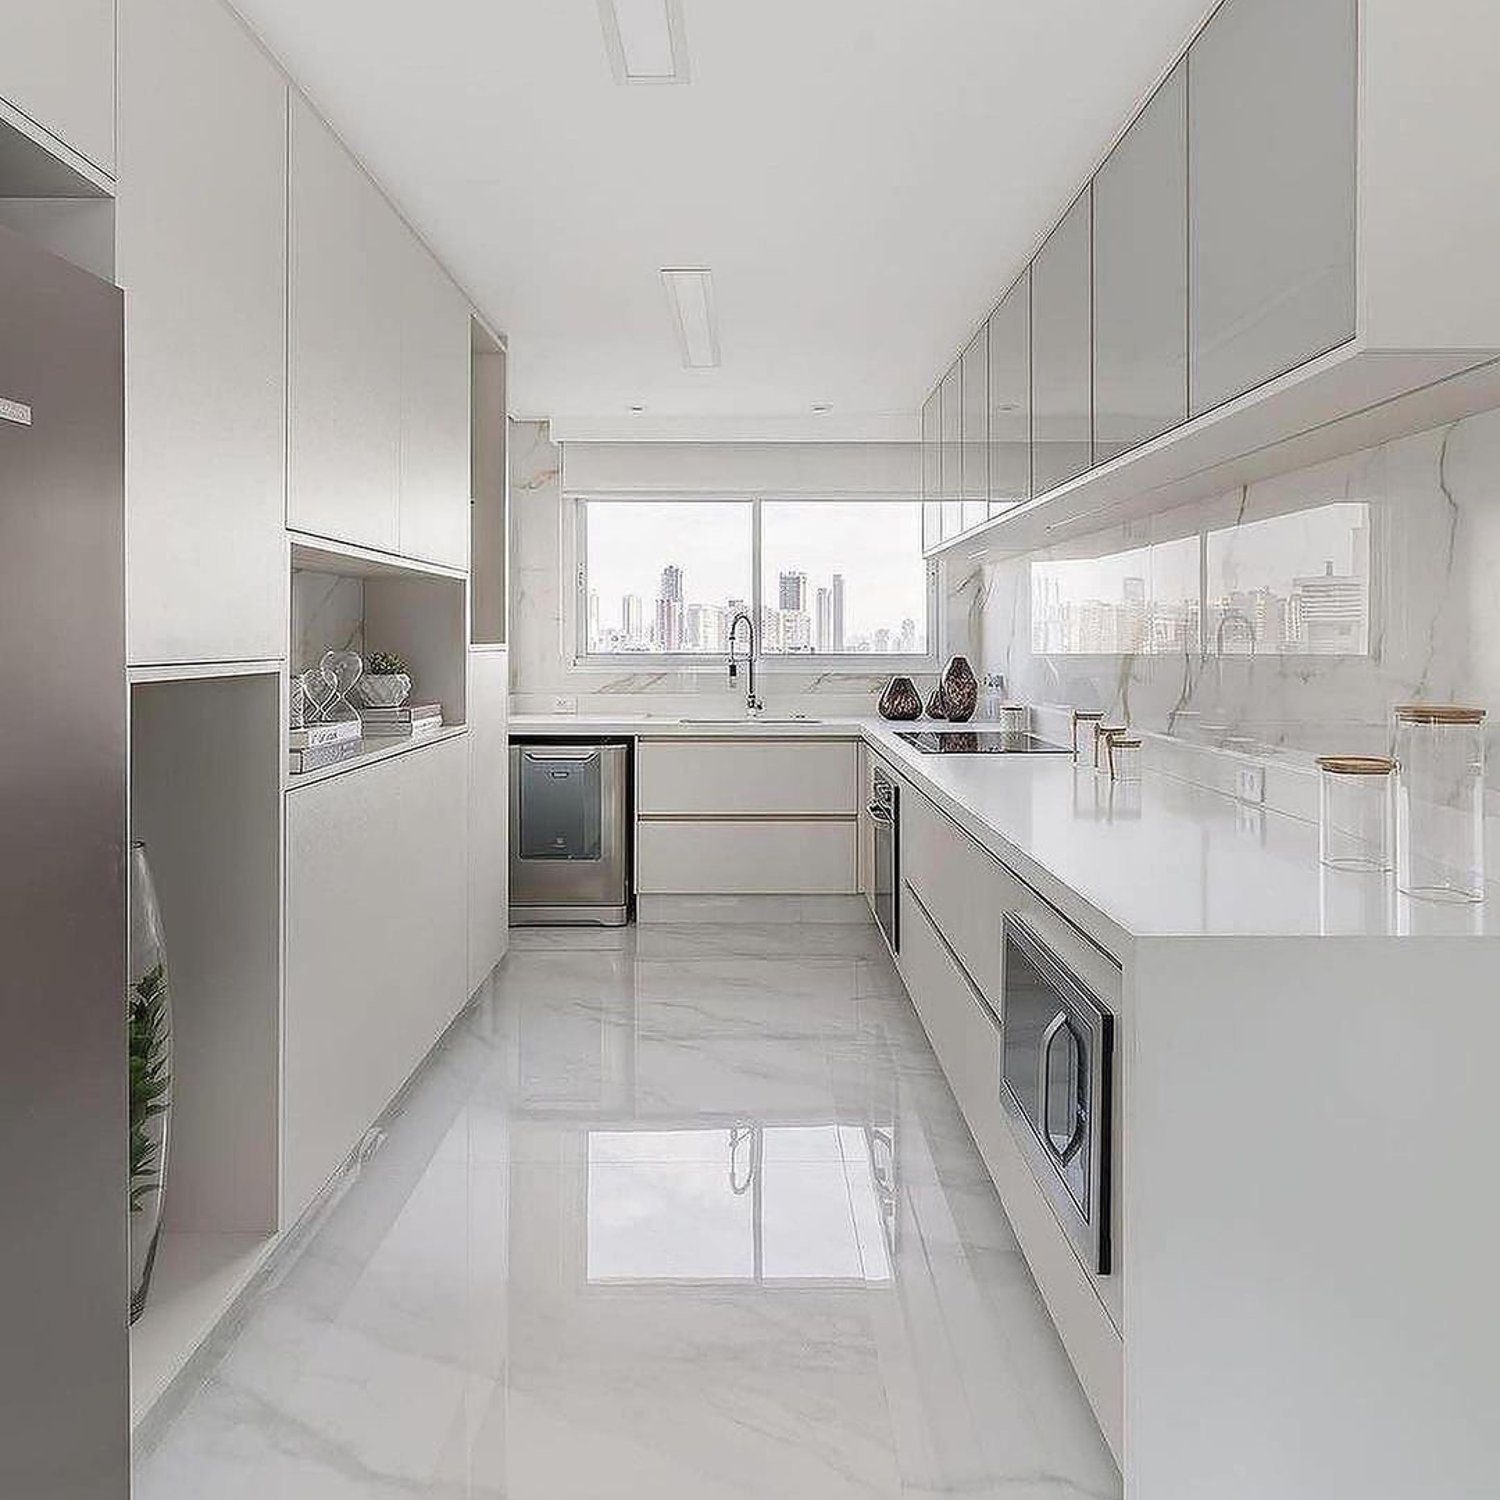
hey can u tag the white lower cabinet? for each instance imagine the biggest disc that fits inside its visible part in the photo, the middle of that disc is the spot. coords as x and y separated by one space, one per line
754 776
377 877
954 898
745 857
963 883
747 817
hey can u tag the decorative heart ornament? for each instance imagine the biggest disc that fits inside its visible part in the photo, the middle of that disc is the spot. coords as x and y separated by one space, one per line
343 669
320 689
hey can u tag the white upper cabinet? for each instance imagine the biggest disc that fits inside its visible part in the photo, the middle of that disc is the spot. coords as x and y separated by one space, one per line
434 475
932 472
1140 277
1273 161
378 417
201 253
951 432
348 255
976 448
57 67
1061 332
1010 398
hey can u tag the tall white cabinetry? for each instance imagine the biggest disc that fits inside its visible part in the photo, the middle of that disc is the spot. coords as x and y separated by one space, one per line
378 440
344 325
57 68
201 250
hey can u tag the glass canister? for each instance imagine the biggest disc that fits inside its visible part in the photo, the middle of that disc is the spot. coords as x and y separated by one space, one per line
1354 811
1440 801
1102 734
1083 726
1123 753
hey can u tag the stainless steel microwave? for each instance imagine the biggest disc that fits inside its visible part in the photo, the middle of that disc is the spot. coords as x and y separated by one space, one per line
1057 1051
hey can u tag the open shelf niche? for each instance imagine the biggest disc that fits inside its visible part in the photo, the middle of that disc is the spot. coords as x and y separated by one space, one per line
489 461
345 598
205 798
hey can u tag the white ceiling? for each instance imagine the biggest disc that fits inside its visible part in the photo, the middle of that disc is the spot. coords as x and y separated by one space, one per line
864 177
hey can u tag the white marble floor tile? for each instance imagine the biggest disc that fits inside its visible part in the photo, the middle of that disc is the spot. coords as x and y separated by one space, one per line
684 1212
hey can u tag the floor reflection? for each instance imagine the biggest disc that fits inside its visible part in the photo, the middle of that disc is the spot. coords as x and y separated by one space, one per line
755 1203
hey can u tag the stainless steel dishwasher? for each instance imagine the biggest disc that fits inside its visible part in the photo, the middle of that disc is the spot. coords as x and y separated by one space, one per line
570 833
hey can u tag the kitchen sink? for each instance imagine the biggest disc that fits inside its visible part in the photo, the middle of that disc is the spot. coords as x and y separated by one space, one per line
741 719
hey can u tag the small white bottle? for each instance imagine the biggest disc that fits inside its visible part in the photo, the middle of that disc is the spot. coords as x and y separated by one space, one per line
994 695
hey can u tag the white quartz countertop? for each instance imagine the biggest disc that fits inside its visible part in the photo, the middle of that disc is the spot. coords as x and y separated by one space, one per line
1162 858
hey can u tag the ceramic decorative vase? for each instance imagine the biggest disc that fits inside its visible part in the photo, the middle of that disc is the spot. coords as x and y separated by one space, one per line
900 700
148 1004
960 690
936 708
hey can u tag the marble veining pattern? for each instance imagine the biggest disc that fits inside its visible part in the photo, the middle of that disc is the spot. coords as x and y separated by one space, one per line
1434 626
685 1212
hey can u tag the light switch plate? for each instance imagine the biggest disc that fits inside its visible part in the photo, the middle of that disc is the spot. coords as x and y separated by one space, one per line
1252 784
565 705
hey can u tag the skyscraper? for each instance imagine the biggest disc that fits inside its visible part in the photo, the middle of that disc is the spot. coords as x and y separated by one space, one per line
633 621
669 610
823 618
838 613
794 591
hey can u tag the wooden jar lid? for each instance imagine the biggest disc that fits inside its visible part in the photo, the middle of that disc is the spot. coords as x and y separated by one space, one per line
1438 713
1356 765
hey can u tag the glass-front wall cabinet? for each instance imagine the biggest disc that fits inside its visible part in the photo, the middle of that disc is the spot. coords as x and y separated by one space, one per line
950 404
1212 252
974 371
1273 109
1062 419
932 473
1140 277
1010 398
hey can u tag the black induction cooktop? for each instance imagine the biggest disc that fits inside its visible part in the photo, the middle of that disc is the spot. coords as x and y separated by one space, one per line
979 742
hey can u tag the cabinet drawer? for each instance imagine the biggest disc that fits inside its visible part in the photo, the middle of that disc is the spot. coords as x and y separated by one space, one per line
964 887
963 1032
762 776
760 857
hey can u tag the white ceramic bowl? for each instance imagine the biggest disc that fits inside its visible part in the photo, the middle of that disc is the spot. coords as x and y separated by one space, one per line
389 690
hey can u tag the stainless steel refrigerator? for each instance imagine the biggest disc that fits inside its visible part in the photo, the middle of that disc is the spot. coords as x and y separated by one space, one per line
64 1350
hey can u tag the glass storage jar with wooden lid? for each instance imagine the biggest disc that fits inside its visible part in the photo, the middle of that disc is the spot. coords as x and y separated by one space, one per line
1355 811
1440 801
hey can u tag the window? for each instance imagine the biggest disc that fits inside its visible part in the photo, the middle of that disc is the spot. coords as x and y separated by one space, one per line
821 578
1291 585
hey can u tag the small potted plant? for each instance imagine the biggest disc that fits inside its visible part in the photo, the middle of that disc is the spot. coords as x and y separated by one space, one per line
385 683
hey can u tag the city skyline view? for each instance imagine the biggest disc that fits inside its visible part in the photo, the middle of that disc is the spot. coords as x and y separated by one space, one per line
1288 585
665 578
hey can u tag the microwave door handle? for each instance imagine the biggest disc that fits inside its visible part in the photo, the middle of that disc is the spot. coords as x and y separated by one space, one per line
1056 1026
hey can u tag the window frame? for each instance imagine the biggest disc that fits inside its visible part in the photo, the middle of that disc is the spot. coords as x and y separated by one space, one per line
844 663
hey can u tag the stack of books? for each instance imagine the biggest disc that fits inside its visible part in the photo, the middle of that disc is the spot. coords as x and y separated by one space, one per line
321 745
401 723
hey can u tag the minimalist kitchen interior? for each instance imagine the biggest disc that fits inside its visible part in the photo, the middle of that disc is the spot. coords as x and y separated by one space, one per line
751 752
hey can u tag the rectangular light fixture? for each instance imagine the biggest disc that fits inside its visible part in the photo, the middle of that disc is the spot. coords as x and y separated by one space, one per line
645 40
691 293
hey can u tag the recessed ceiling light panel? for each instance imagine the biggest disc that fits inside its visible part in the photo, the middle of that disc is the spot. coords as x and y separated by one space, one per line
691 293
645 40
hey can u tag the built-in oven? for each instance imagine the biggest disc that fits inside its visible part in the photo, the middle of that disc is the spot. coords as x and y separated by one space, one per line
1057 1050
885 815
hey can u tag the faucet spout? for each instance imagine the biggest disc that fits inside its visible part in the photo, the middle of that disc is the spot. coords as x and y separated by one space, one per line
753 705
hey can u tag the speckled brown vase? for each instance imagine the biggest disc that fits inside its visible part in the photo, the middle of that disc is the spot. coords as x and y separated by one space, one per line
960 690
936 708
900 700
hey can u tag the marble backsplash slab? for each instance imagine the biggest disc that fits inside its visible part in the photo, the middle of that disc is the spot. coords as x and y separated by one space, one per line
1243 666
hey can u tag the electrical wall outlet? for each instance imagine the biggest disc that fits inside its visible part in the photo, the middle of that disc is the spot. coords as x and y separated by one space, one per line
1251 785
565 705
